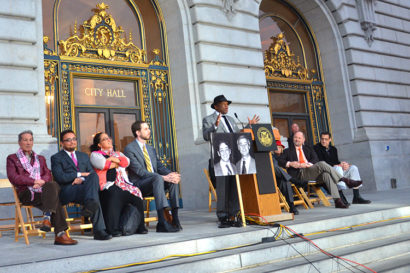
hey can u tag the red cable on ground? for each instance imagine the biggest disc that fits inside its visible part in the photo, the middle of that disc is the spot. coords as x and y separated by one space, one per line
325 252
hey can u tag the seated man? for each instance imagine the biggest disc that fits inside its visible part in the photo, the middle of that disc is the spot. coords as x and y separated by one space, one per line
302 163
78 181
29 174
148 173
328 153
284 179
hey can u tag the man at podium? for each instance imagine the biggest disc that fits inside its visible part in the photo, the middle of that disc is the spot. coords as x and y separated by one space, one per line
219 122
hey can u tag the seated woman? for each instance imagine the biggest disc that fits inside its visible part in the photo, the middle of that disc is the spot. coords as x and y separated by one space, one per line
116 190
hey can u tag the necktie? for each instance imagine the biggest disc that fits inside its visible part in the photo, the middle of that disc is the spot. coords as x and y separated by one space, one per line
243 167
147 160
75 160
228 124
301 159
229 170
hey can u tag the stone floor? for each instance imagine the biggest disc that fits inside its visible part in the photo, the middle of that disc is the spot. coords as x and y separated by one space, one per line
197 224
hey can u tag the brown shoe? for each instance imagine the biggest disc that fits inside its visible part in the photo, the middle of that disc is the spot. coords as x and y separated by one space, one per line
46 226
339 204
64 240
351 183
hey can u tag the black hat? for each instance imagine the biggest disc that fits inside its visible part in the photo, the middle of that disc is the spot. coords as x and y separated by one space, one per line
219 99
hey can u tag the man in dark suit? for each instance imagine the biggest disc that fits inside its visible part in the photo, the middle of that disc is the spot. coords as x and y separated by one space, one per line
328 153
224 167
32 180
246 164
220 122
302 163
78 181
148 173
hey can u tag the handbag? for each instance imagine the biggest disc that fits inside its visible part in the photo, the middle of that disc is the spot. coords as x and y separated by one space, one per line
130 220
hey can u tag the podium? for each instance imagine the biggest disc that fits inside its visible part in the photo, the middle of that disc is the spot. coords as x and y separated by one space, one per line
260 194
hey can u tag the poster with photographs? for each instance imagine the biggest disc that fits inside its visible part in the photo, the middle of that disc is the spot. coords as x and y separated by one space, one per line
232 154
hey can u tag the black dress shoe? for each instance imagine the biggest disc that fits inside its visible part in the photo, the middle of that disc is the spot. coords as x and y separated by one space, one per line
294 210
166 227
225 223
142 230
177 225
89 208
339 204
116 234
101 235
360 200
351 183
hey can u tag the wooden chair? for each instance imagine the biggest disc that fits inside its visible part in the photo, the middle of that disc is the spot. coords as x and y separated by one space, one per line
320 196
297 196
149 219
75 222
211 191
22 228
4 183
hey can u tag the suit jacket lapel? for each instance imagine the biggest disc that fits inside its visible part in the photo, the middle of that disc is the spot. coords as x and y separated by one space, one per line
69 159
140 154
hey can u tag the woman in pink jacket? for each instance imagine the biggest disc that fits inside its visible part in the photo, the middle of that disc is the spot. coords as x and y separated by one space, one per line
116 190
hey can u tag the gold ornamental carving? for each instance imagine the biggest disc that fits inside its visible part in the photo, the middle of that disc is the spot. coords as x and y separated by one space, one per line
279 61
101 38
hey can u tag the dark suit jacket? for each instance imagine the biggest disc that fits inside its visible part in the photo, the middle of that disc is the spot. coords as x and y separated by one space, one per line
64 169
137 168
289 154
330 157
19 177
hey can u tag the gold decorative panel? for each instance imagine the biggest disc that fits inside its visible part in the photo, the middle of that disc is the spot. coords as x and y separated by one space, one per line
279 61
101 38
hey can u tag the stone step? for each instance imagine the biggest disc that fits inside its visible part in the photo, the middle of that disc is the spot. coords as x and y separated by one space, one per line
367 254
280 253
153 249
397 264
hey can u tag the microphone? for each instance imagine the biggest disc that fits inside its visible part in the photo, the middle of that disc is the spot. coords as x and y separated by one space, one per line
236 116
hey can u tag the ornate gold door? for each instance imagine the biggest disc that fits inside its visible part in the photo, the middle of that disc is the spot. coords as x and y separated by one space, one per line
98 79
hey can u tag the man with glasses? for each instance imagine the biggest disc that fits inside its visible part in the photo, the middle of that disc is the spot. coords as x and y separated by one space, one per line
246 164
79 182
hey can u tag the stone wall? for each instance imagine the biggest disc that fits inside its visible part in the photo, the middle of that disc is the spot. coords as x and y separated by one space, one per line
376 39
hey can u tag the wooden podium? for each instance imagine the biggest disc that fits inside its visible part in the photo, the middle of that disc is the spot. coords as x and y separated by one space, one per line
259 191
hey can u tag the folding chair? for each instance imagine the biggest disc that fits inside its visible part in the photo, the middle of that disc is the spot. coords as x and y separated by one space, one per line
4 183
211 191
27 228
149 219
320 196
75 222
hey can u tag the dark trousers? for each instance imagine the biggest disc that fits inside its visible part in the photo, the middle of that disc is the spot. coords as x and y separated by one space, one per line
284 185
226 190
47 201
155 185
113 201
81 194
282 179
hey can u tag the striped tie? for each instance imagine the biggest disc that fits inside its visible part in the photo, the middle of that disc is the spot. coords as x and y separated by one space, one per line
147 160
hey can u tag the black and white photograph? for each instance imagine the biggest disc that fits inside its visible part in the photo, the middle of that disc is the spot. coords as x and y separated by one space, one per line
222 146
245 161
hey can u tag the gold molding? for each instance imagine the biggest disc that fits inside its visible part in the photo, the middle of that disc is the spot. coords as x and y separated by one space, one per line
101 38
279 61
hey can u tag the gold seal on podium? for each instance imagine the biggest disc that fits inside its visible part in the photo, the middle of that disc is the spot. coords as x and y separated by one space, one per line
265 136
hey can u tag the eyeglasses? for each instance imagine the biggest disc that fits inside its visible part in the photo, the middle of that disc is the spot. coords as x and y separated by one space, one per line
70 139
105 139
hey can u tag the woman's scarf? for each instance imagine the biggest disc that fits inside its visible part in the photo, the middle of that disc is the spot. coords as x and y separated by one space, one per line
122 180
34 171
